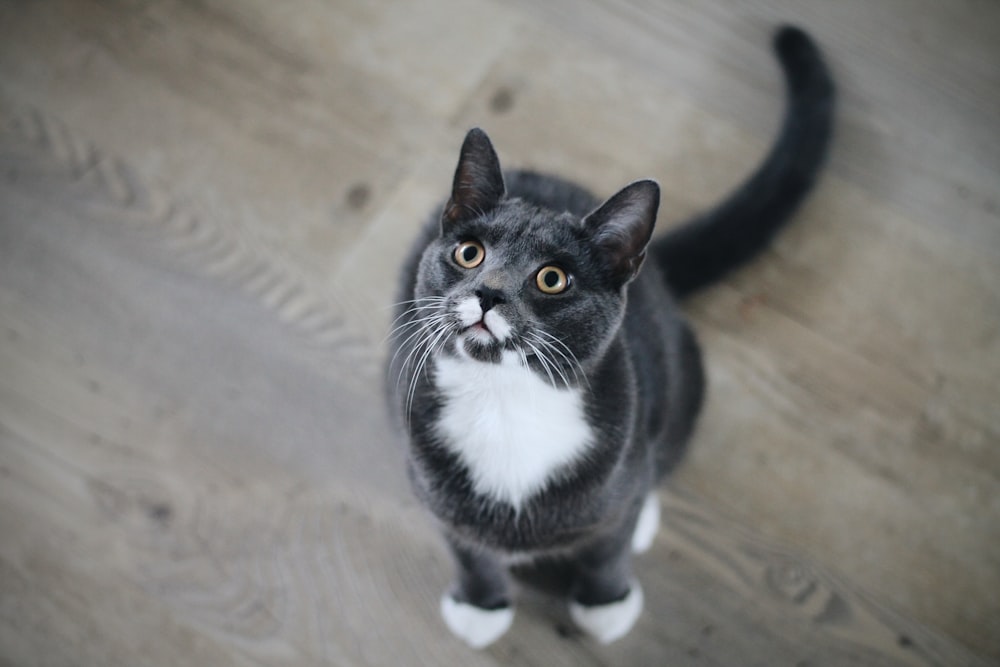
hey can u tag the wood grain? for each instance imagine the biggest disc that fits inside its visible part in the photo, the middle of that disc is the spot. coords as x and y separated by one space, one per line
202 208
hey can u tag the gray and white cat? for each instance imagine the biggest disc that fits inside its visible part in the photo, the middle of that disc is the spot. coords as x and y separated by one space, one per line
543 374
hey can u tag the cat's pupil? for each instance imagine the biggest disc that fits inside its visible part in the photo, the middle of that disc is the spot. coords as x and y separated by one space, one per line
551 278
469 253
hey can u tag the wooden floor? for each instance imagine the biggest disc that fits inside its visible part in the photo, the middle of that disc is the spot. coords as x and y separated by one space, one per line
202 208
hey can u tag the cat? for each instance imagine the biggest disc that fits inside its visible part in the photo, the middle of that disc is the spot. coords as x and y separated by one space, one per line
543 373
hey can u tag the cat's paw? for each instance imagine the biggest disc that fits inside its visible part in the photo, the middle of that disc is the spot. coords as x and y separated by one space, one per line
475 626
608 622
647 525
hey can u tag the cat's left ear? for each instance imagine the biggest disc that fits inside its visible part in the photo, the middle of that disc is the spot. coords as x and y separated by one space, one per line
478 185
622 226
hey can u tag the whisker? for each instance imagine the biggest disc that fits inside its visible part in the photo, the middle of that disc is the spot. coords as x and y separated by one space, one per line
419 325
436 303
568 356
420 367
429 331
523 356
555 364
428 335
414 323
542 360
429 299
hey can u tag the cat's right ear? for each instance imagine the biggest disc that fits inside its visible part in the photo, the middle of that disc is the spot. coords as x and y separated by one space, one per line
622 226
478 185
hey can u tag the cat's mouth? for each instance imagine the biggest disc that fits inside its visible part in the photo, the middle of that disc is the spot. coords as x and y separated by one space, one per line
480 331
481 334
480 342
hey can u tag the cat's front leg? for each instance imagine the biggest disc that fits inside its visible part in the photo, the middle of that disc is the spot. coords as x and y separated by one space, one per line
478 608
606 599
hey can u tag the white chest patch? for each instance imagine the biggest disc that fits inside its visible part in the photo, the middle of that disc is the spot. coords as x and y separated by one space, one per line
511 429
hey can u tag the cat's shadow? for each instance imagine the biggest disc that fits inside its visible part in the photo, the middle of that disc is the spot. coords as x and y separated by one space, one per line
551 576
545 584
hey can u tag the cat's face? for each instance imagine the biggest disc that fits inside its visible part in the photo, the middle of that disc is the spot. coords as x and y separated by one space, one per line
506 281
523 281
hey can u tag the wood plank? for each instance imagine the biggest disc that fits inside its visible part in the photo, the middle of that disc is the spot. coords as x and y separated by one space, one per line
241 109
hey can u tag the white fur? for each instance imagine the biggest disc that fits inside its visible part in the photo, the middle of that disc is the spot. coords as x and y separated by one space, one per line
497 324
470 312
608 622
509 427
476 627
647 525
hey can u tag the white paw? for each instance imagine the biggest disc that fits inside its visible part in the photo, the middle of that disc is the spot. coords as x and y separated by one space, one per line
608 622
647 525
476 627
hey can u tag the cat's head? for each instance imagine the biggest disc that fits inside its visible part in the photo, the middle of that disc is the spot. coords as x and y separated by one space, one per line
506 280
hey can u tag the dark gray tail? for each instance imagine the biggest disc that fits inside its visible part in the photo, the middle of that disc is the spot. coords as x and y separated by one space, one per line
703 250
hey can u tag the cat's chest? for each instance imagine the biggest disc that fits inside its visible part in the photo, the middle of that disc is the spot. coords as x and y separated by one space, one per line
512 430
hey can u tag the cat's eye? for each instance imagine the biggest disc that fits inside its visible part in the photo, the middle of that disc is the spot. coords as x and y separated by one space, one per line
552 280
470 254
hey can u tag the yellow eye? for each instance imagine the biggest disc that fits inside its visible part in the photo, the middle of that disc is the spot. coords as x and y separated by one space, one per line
552 280
470 254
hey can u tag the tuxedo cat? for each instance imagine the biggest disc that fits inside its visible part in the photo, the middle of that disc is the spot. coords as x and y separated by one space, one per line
543 374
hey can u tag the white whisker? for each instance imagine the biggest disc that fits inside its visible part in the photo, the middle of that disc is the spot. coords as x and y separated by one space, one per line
555 364
427 331
421 364
432 303
543 361
423 299
414 323
571 360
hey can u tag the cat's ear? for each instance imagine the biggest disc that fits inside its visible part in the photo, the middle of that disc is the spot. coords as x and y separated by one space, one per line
622 226
478 185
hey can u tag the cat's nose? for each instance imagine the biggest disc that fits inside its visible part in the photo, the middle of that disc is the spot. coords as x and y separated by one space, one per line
489 297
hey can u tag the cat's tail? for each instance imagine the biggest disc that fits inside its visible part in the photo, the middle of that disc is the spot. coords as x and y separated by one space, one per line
706 248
